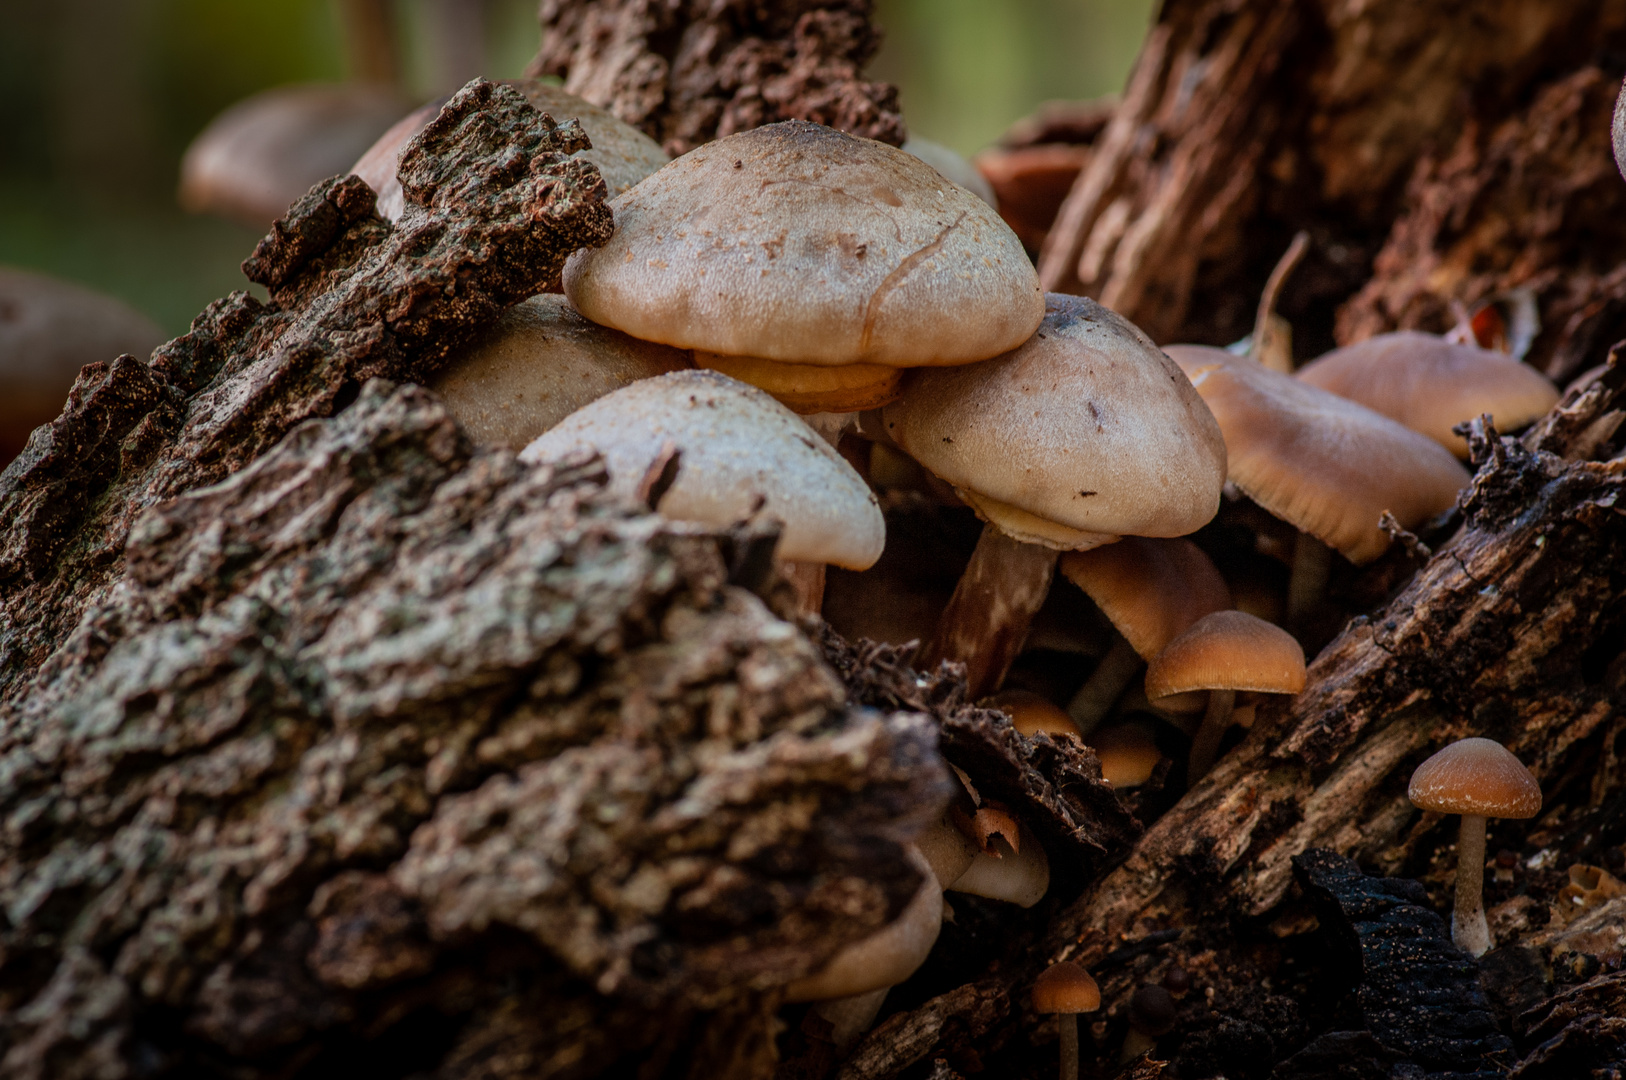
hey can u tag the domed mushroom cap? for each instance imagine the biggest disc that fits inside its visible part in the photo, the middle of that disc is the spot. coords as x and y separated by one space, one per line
1322 463
1065 988
741 449
886 957
1228 650
799 243
1086 425
1430 384
624 155
1475 776
540 363
1152 589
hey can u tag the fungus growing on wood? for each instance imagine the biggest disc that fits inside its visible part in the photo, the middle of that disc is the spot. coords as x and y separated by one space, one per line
1031 712
1065 990
1478 779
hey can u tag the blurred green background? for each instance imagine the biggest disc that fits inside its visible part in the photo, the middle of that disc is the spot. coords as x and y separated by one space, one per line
98 99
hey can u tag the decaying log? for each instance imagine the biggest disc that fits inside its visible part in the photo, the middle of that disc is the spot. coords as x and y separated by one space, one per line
690 71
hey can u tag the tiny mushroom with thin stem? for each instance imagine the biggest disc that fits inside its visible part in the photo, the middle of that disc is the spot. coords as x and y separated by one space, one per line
1223 653
1152 1013
1083 434
1065 990
1478 779
741 453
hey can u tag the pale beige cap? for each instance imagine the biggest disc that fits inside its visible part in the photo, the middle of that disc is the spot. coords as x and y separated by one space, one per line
1086 426
886 957
1065 988
1475 776
540 363
742 453
1430 384
1152 589
624 155
1324 464
1228 650
799 243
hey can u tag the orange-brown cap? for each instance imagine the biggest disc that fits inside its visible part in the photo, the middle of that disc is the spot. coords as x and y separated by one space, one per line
1065 988
1430 384
1322 463
1475 776
1152 589
1128 754
1030 712
1228 650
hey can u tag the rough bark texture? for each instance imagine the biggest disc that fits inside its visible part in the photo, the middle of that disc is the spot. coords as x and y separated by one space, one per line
1435 152
690 71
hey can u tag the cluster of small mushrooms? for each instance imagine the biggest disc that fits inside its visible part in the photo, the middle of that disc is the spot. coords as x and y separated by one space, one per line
789 320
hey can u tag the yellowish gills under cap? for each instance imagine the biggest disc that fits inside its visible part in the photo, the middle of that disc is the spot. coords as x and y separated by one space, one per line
539 364
798 243
1475 776
1086 426
1430 384
1324 464
742 453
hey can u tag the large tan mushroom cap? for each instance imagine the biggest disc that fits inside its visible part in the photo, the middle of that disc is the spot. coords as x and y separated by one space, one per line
1430 384
539 364
799 243
624 155
743 453
1228 650
1322 463
1086 425
1065 988
886 957
1475 776
1151 589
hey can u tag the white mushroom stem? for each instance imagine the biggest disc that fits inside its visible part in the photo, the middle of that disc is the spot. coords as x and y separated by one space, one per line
850 1017
1205 747
1105 685
1067 1025
1468 926
807 578
987 618
1312 561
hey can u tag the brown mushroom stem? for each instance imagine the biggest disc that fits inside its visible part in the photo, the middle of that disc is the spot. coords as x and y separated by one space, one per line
1468 926
1205 747
1067 1025
850 1017
1105 685
807 578
1312 561
987 618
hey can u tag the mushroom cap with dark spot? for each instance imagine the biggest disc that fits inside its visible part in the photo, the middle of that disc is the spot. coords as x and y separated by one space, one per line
1475 776
799 243
1065 988
1228 650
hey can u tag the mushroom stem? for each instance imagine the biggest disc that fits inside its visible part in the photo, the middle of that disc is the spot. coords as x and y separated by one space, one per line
850 1017
987 618
1312 561
1205 747
1067 1024
1468 926
1105 685
807 578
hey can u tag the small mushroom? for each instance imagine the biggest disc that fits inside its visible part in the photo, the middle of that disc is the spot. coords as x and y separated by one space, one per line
1152 1013
1478 779
1065 990
1223 653
1031 713
1017 872
1128 754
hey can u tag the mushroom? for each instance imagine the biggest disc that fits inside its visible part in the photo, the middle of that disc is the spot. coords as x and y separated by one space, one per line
1430 384
1478 779
264 152
742 453
1223 653
1152 1013
1084 434
1017 872
1128 754
1324 464
1065 989
540 363
1151 590
624 155
786 253
1031 713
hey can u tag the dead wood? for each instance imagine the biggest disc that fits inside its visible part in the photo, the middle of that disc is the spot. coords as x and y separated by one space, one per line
691 71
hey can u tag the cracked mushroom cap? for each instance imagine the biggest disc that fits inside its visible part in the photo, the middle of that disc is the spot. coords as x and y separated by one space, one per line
1475 776
886 957
1151 589
624 155
800 244
539 364
1430 384
1085 433
742 454
1324 464
1228 650
1065 988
